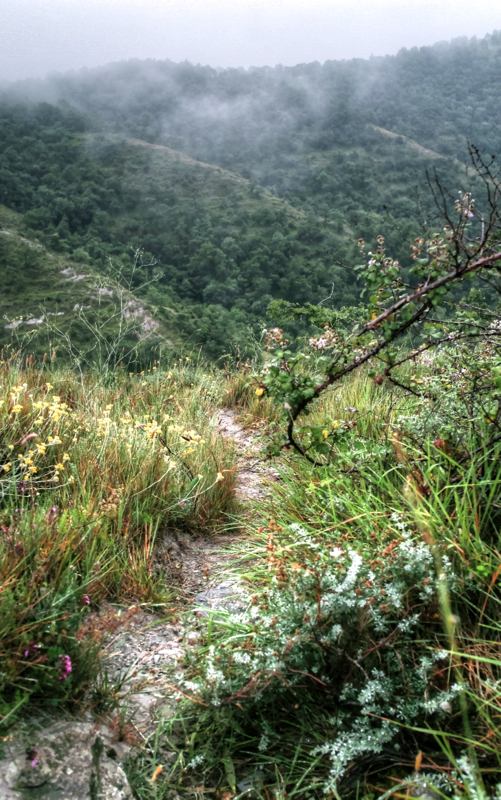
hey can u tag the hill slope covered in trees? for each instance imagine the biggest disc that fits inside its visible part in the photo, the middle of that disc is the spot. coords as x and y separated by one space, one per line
244 185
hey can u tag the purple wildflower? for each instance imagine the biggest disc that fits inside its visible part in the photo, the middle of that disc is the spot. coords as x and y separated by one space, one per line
86 599
32 650
33 757
64 667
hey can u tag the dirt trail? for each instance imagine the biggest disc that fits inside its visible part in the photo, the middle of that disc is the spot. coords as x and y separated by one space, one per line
178 155
196 563
249 461
145 647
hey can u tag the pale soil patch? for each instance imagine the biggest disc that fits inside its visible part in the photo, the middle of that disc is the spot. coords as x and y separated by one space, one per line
411 142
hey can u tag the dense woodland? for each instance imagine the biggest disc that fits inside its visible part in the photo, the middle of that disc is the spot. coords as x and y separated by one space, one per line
308 162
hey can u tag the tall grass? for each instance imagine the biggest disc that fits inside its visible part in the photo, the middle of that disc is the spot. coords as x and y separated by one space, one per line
93 468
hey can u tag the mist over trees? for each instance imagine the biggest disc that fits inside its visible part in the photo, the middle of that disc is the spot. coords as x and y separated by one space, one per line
325 154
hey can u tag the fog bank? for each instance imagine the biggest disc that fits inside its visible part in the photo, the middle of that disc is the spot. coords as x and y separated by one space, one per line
40 36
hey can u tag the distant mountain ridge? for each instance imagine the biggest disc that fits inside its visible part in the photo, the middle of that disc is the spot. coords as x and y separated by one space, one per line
245 185
438 95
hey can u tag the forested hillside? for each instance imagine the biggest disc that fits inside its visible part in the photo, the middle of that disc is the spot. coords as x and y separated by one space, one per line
51 300
261 180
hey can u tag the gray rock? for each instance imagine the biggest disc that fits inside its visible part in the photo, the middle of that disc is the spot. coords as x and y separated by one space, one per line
423 791
227 596
254 781
69 760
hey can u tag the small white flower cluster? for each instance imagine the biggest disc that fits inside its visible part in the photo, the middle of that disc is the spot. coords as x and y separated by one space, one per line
195 761
466 773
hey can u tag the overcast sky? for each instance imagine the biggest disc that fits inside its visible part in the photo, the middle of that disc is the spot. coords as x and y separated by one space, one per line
40 36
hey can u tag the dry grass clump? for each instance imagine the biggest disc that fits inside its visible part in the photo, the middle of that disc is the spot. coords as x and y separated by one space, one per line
92 468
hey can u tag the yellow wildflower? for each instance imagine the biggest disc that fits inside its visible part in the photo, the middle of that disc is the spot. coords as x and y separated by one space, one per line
6 467
220 477
66 457
259 391
17 409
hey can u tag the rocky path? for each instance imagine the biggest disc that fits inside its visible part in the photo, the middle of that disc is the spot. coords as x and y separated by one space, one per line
146 648
249 462
77 759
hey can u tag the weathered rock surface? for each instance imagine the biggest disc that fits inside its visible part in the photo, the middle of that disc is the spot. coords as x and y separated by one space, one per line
228 595
249 462
69 760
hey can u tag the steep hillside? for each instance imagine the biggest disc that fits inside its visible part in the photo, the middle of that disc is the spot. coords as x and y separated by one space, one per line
244 186
224 246
50 302
264 122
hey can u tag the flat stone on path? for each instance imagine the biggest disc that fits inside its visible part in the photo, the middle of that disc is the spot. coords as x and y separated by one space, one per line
67 761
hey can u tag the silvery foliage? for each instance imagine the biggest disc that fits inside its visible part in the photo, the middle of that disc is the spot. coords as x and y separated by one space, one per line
466 773
324 621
